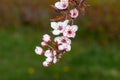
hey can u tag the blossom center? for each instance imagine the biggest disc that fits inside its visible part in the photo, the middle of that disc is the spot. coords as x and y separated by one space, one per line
69 32
64 5
60 28
74 14
63 40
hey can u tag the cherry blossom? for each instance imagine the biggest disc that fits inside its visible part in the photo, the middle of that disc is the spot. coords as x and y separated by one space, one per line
74 13
63 30
51 56
39 50
54 57
46 64
64 47
70 31
46 38
49 59
62 39
44 43
58 27
48 53
63 4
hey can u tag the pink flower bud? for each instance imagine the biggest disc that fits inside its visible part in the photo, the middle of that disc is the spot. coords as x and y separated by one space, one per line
61 5
49 59
46 38
48 53
44 43
74 13
55 60
46 64
39 50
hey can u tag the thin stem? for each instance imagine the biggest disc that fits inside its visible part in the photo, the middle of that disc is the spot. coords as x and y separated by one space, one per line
72 21
51 47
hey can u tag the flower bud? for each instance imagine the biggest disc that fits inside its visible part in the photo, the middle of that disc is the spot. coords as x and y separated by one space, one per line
46 64
46 38
39 50
44 43
74 13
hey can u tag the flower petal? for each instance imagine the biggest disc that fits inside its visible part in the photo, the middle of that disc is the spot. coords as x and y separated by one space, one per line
55 60
68 48
58 5
64 0
49 59
75 27
48 53
56 32
39 50
46 38
54 25
46 64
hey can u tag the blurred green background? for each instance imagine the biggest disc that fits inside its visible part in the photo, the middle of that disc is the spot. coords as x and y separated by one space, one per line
95 51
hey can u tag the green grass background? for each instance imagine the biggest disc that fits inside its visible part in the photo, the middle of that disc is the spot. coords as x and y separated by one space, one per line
86 61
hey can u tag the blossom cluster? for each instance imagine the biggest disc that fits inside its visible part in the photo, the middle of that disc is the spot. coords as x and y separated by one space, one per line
63 30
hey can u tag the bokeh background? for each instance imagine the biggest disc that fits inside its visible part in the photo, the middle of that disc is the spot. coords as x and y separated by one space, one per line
95 53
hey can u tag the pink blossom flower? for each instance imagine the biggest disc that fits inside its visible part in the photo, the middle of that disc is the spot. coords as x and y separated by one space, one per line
46 64
39 50
44 43
64 47
46 38
62 39
61 4
49 59
74 13
48 53
58 27
51 56
54 58
70 31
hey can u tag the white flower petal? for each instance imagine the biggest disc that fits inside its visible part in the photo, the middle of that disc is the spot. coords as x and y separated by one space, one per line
55 60
64 0
58 5
54 25
56 32
57 39
61 47
75 27
45 64
46 38
38 50
44 43
48 53
68 47
65 23
49 59
54 53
